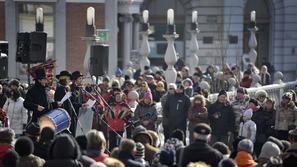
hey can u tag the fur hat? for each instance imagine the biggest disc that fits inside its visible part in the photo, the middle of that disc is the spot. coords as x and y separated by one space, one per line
269 149
288 95
6 135
246 145
24 146
187 80
261 93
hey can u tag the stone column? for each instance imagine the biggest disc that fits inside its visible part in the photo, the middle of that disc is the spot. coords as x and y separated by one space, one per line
111 23
127 38
135 32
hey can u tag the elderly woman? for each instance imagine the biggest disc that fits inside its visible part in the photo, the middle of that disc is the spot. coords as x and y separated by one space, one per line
96 144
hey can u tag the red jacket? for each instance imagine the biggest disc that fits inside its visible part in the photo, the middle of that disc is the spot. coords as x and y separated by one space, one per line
118 116
4 148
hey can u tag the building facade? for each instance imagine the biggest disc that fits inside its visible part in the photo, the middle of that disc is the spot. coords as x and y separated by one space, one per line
223 26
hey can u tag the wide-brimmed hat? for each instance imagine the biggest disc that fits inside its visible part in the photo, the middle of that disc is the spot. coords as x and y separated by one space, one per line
76 74
40 74
63 73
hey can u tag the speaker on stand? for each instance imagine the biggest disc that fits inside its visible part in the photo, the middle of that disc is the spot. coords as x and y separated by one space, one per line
99 59
3 59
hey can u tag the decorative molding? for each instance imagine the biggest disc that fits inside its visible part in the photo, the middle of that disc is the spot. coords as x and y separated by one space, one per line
129 6
35 0
85 1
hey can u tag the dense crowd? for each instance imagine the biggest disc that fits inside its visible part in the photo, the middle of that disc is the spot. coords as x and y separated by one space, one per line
126 128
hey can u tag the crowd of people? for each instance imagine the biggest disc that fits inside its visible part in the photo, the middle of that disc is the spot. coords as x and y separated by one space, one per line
125 127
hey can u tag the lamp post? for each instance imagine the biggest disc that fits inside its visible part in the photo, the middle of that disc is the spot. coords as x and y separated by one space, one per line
144 47
39 20
194 47
89 37
253 40
170 54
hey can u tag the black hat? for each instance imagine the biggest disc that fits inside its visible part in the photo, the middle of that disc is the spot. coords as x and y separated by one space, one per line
241 90
222 92
202 129
63 73
167 157
33 129
254 101
24 146
75 75
40 73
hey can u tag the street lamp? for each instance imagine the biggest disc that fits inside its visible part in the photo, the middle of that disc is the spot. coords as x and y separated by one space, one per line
170 54
194 47
39 20
145 47
253 40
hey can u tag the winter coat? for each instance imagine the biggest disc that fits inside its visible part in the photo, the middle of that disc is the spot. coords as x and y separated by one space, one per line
41 149
128 160
3 99
189 91
119 116
225 121
17 114
261 121
238 107
197 114
175 111
146 112
290 156
158 95
31 161
286 116
37 96
63 163
244 159
96 155
270 117
4 148
77 97
248 129
200 151
246 82
265 79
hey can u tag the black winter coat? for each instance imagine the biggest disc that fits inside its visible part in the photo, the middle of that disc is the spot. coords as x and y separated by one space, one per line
128 160
226 120
37 95
62 163
200 151
175 111
263 121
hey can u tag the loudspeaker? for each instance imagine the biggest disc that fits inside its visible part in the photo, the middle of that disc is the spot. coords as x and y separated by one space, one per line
31 47
3 59
38 47
99 60
23 44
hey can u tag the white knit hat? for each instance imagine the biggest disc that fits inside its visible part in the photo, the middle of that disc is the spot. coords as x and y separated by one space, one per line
248 113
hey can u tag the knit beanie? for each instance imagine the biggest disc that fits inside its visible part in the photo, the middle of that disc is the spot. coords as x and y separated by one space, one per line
148 95
6 135
222 92
246 145
24 146
140 151
269 149
167 157
227 163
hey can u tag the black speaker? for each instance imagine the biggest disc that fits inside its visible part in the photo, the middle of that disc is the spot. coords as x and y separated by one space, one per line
99 59
31 47
38 47
23 44
3 59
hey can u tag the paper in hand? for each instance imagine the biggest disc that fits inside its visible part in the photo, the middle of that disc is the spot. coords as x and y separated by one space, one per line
66 97
90 103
